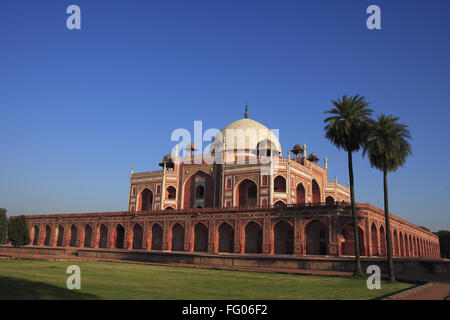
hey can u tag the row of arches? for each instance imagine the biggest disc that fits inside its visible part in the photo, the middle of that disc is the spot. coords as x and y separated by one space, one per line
146 197
316 235
247 191
404 244
200 195
282 237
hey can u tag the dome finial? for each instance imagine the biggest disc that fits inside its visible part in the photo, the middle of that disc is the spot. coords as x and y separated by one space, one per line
246 110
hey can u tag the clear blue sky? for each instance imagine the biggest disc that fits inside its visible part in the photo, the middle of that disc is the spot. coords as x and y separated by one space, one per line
80 108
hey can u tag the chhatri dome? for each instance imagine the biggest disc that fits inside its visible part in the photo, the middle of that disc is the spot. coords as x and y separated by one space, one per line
247 132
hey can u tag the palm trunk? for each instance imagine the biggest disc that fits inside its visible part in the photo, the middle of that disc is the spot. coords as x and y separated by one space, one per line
358 269
388 229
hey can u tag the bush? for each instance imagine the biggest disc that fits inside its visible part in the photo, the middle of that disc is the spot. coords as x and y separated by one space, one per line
18 232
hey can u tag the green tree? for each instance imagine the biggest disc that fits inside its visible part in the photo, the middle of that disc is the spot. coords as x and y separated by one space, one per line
3 226
387 148
18 233
444 243
347 128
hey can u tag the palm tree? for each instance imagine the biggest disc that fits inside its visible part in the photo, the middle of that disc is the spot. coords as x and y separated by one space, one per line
347 129
387 149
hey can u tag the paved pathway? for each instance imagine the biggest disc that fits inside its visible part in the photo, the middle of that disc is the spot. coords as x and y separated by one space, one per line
435 287
428 291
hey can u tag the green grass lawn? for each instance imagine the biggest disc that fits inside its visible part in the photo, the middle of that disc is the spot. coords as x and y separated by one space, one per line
36 279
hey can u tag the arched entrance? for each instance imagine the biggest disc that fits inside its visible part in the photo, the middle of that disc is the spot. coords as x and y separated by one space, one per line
171 193
416 247
253 238
36 236
87 236
177 237
157 237
396 247
138 236
316 234
120 237
382 242
411 247
199 191
315 192
247 193
279 204
283 234
402 245
300 194
48 235
373 231
279 184
200 237
73 236
406 246
329 201
103 241
146 202
348 240
60 241
226 238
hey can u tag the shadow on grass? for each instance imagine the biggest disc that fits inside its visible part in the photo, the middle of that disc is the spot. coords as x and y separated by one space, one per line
18 289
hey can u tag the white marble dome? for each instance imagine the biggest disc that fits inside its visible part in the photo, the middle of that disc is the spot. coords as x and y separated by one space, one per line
246 134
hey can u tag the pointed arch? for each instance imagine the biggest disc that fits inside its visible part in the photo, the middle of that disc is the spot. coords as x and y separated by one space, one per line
329 201
103 241
246 193
138 236
396 246
316 195
279 184
87 236
73 236
171 193
402 245
177 237
301 194
374 240
200 237
199 192
157 237
61 238
145 200
316 233
226 237
36 235
347 236
283 238
382 241
253 237
48 235
120 237
191 199
406 246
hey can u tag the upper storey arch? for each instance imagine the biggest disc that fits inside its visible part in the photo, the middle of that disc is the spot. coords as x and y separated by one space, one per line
246 193
145 200
198 191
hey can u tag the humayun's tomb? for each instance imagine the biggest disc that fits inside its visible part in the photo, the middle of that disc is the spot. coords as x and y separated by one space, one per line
195 205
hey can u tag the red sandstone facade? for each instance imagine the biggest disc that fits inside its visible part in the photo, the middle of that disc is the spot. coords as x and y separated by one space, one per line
197 205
